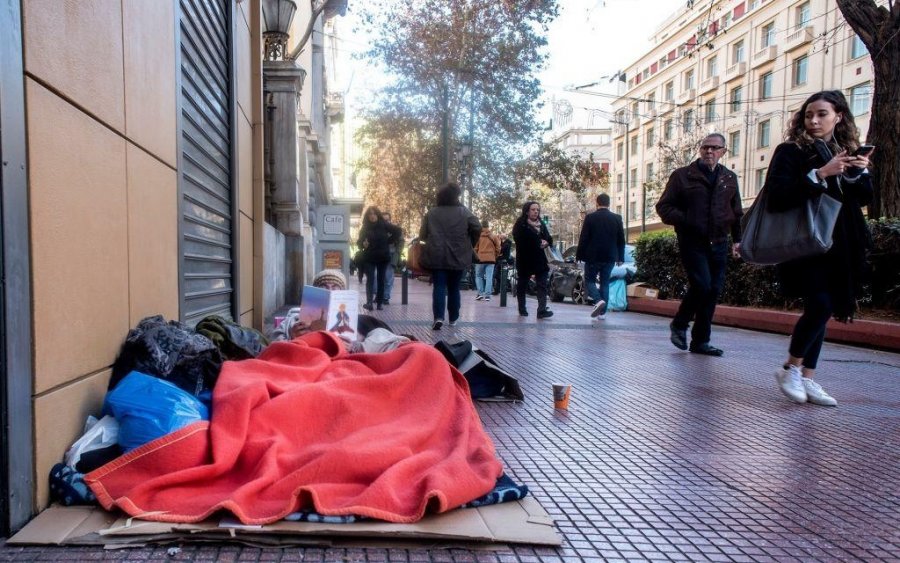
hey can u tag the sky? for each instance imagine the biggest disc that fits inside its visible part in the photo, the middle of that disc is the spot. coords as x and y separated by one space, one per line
593 39
589 40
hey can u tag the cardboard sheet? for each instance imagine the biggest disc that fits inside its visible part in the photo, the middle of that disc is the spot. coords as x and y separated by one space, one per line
523 521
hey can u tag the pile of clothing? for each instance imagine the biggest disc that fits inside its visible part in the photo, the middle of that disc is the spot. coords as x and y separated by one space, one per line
311 428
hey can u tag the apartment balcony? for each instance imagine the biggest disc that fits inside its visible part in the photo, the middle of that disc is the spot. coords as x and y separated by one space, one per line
736 70
799 38
708 84
334 106
687 96
765 55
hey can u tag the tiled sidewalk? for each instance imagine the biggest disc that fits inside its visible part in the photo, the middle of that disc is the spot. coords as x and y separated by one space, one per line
663 455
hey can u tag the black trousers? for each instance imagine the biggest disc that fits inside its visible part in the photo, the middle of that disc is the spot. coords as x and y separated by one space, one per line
809 332
540 280
373 270
704 264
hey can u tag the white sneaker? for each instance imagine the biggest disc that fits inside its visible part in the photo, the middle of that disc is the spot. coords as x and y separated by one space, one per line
790 381
601 317
598 308
816 395
487 298
479 297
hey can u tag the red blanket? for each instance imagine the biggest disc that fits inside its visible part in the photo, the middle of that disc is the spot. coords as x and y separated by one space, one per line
307 426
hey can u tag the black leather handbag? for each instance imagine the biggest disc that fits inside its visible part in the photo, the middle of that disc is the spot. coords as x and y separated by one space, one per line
777 237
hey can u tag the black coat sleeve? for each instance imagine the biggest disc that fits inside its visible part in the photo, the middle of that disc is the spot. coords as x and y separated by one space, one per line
787 181
668 207
620 238
738 208
583 240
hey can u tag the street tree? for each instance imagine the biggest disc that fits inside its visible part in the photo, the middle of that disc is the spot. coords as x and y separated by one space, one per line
878 26
459 71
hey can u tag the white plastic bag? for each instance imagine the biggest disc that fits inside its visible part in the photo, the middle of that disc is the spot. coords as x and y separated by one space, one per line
98 434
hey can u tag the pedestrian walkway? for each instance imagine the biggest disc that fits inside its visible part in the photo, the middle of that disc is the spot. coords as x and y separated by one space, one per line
662 455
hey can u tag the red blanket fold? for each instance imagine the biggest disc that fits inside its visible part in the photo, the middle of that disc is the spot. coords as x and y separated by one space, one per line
307 426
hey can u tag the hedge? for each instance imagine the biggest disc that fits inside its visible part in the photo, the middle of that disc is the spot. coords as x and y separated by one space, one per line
659 265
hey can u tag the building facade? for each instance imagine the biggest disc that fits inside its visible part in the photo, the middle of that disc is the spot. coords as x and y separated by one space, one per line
133 184
737 67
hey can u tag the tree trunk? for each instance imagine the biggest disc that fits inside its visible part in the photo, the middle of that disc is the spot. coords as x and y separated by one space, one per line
879 29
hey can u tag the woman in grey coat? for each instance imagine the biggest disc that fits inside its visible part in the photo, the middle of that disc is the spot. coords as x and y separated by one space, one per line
449 232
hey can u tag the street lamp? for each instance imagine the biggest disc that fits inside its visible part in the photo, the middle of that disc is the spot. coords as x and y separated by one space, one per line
277 16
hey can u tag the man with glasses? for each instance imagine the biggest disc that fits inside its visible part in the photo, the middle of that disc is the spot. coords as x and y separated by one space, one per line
703 203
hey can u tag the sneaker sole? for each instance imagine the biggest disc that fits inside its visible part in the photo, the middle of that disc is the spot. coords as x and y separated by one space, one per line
597 308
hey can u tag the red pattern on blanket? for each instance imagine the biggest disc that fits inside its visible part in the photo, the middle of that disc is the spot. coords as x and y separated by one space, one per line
306 426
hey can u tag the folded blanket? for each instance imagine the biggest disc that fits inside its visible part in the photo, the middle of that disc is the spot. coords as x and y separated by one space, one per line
306 426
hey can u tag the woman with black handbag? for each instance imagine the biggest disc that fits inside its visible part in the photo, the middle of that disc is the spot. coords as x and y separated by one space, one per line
821 155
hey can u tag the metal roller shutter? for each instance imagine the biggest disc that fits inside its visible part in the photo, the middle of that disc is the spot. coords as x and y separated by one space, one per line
207 227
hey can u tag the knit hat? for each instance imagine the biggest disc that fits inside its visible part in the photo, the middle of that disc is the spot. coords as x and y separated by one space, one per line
335 278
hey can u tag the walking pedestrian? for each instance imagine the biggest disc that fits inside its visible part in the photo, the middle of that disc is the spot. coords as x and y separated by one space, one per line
375 237
601 246
394 261
703 202
532 237
830 283
449 231
487 249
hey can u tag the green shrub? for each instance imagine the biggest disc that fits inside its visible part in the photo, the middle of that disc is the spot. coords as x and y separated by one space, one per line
884 289
659 264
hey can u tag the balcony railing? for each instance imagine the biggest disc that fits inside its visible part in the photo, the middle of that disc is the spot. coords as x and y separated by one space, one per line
765 55
736 70
687 95
709 84
799 38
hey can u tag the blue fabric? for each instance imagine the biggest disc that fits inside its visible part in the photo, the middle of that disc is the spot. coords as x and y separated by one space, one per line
484 278
445 293
68 487
618 301
506 490
593 271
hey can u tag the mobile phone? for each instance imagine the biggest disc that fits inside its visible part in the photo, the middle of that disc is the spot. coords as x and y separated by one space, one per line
863 150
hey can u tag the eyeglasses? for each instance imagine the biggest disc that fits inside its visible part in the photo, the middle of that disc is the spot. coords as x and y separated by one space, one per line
711 147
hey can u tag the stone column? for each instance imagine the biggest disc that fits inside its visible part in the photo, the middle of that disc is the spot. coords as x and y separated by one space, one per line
290 196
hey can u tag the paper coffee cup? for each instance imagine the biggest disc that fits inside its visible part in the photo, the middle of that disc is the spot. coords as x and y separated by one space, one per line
561 392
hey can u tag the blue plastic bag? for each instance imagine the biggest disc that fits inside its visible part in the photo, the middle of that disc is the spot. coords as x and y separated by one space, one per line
148 407
617 299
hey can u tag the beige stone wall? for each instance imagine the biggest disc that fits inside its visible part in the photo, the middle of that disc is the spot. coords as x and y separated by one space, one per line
102 127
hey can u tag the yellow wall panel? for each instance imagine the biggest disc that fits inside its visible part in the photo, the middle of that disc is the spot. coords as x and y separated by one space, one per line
152 237
245 166
150 119
79 239
244 83
59 420
75 46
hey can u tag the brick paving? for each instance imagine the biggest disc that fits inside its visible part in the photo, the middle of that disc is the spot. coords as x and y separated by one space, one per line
662 455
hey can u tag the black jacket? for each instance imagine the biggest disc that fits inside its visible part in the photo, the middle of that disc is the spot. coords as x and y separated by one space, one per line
380 235
602 238
449 233
842 270
530 257
700 210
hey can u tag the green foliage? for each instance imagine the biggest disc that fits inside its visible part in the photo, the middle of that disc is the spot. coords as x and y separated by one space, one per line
885 260
475 61
559 170
659 264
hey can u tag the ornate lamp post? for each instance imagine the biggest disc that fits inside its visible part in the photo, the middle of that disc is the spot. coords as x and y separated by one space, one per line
277 16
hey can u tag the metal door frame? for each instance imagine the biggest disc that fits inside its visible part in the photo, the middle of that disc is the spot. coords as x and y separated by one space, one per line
16 369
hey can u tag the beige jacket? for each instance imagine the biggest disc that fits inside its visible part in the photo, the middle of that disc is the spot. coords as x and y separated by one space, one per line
488 247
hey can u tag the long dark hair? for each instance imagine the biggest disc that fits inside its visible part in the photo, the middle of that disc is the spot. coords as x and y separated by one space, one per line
845 134
365 223
525 206
448 195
